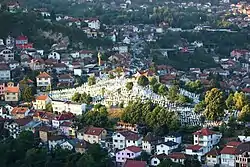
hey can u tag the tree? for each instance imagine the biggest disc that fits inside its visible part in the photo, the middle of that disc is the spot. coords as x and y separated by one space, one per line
153 81
244 115
173 93
215 104
76 97
169 163
91 80
49 107
111 76
129 85
143 81
155 87
192 162
162 90
200 107
183 99
230 102
27 94
240 100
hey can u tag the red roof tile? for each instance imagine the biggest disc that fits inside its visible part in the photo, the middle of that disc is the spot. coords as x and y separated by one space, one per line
134 149
23 121
43 75
19 110
213 152
94 131
42 97
194 147
133 163
12 89
230 148
204 132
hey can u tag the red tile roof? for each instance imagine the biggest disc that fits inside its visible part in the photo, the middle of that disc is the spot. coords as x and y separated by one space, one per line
204 132
43 75
42 97
194 147
134 163
19 110
230 148
12 89
23 121
65 116
134 149
213 152
94 131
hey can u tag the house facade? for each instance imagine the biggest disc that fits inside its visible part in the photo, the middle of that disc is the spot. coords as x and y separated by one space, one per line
5 74
228 154
94 135
166 147
62 106
43 80
11 93
130 152
41 102
125 139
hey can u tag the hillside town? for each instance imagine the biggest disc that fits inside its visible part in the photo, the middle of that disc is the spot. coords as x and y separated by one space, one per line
127 84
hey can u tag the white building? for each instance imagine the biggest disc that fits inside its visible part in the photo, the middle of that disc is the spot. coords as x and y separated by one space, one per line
66 106
43 80
166 147
54 55
7 54
175 137
149 142
126 139
212 157
204 141
4 72
93 23
228 154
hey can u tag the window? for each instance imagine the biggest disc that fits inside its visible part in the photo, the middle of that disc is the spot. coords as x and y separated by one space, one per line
128 141
115 141
128 154
118 135
121 140
155 162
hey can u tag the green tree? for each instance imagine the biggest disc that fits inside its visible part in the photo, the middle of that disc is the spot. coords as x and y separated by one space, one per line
91 80
244 115
76 97
183 99
200 107
162 90
27 94
230 102
240 100
155 87
129 85
143 81
215 104
49 107
153 81
173 93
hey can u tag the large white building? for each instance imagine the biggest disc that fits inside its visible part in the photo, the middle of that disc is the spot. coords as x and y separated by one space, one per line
93 23
204 140
166 147
67 106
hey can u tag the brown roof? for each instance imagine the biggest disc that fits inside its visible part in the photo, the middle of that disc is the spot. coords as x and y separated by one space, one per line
194 147
43 75
134 149
129 135
94 131
134 163
230 148
213 152
23 121
4 67
42 97
56 137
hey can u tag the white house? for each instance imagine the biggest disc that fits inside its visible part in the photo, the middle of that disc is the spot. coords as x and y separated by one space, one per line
204 141
64 117
7 54
156 159
62 106
206 138
149 142
54 141
175 137
54 55
166 147
125 139
93 23
228 154
212 157
130 152
43 80
4 72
